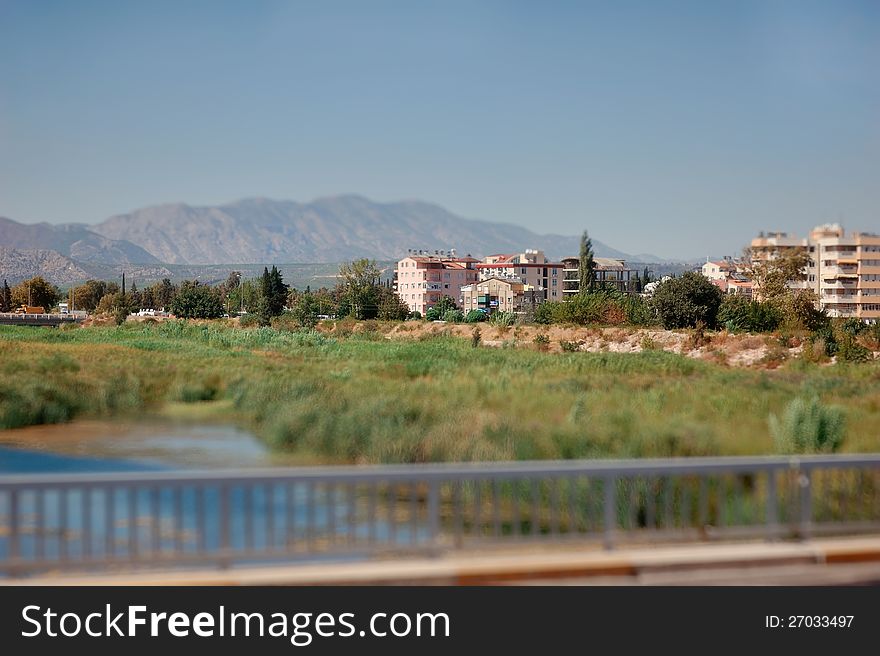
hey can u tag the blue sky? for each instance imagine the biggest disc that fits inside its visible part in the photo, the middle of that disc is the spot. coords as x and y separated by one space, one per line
679 128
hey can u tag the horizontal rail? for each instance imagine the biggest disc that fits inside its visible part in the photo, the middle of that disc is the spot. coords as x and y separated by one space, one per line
101 520
465 471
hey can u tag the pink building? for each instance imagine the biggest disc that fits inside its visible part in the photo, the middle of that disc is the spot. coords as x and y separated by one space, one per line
422 280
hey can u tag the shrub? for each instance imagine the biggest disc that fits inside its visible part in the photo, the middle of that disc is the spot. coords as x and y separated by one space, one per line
415 314
569 347
545 312
249 321
476 337
648 344
502 319
737 312
684 301
453 316
807 426
475 316
823 342
541 341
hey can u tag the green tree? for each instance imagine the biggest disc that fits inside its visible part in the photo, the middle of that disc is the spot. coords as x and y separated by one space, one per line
359 290
89 294
196 301
273 295
391 307
586 265
117 305
772 277
164 293
686 301
36 292
148 301
136 296
5 298
305 310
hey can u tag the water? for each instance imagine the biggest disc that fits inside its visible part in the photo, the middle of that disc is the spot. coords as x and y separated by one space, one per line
276 518
151 444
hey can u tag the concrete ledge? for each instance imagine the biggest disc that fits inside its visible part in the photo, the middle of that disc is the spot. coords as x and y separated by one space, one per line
483 568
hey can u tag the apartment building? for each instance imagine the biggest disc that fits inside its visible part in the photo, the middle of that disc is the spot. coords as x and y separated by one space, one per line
498 295
610 274
718 269
421 279
728 275
844 271
530 268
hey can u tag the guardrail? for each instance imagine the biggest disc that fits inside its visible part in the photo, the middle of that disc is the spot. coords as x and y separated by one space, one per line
43 319
223 518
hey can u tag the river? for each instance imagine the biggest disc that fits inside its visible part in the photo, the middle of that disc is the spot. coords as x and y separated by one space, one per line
148 444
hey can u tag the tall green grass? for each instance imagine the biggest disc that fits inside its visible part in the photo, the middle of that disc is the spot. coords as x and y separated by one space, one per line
363 398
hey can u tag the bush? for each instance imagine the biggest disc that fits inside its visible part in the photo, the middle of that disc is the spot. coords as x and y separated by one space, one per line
415 315
737 312
453 316
545 313
823 342
249 321
475 316
196 301
502 319
807 426
541 341
684 301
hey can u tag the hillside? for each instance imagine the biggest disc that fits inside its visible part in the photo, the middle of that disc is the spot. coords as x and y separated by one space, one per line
72 240
326 230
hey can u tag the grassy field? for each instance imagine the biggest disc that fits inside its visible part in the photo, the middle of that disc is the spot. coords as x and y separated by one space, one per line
363 398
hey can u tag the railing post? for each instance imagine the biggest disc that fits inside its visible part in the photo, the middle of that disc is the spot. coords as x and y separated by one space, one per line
772 510
14 546
806 518
434 512
223 490
610 511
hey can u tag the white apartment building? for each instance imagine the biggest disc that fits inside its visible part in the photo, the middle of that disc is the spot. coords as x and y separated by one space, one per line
844 271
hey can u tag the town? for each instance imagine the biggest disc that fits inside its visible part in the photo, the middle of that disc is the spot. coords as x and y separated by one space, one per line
840 273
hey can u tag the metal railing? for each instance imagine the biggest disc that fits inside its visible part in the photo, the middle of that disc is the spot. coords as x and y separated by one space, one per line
55 522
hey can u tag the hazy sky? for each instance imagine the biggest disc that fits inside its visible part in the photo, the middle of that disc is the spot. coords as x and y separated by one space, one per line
678 128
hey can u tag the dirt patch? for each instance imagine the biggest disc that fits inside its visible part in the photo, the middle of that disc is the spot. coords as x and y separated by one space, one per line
736 350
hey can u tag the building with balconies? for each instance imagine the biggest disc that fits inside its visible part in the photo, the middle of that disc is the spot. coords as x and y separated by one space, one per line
844 271
421 279
492 295
610 274
530 268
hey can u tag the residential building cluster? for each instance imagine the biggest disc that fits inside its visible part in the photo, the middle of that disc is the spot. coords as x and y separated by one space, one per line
843 270
729 275
504 282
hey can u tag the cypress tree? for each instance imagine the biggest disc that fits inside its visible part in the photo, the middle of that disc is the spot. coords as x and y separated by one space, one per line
5 297
586 265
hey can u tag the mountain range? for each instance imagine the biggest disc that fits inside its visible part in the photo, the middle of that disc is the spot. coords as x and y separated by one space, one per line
258 230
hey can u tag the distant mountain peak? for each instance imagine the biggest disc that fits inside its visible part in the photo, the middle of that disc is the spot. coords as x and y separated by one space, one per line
258 229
